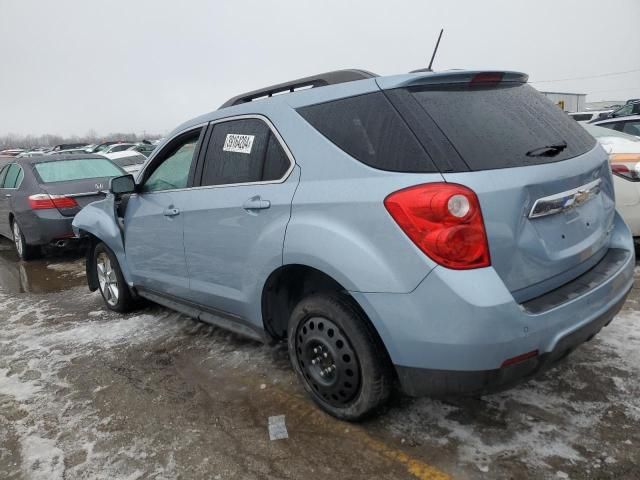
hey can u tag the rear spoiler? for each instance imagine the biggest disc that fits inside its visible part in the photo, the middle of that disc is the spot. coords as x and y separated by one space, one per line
452 77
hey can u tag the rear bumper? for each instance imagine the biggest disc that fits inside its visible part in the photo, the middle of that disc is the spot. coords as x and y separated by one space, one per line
45 226
453 333
419 381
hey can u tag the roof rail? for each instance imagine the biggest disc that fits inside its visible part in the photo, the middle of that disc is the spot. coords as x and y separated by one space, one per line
322 80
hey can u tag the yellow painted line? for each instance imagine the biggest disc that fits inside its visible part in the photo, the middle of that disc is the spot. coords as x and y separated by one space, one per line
417 468
304 410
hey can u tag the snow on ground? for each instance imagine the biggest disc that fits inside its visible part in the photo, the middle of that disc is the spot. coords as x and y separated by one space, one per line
35 349
580 417
555 417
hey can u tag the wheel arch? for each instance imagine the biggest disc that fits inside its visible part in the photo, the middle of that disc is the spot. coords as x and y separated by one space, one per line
97 222
287 285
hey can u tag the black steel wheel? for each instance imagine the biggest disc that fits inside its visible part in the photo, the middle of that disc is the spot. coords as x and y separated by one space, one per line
328 361
338 356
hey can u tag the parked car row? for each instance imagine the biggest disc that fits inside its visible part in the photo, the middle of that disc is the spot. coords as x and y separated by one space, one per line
144 147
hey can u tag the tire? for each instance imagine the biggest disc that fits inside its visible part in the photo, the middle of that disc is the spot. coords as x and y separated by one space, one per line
111 283
25 251
339 357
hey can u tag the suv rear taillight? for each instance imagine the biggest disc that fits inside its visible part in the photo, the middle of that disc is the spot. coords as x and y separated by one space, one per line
445 222
626 165
44 201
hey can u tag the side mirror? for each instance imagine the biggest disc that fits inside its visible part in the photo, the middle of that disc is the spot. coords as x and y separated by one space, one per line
122 185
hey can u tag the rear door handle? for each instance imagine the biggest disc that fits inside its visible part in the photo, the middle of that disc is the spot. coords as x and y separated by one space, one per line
7 195
256 203
171 212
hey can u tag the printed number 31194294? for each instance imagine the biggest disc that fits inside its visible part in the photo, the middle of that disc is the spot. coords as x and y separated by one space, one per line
238 143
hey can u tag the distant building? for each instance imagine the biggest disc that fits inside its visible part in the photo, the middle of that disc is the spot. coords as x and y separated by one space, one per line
569 102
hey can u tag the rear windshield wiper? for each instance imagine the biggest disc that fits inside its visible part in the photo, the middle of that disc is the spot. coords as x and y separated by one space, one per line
548 150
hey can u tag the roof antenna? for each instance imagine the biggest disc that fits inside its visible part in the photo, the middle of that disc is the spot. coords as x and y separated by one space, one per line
435 50
433 56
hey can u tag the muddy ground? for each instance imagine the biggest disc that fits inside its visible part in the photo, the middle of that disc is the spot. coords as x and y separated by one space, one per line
86 393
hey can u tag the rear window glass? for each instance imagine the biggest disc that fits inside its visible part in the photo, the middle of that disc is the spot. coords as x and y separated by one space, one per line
130 160
368 128
581 117
495 127
77 169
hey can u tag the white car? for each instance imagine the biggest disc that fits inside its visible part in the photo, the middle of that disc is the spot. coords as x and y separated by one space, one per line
587 116
624 156
117 147
130 161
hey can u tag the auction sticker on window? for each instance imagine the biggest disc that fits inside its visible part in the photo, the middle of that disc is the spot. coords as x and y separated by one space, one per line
238 143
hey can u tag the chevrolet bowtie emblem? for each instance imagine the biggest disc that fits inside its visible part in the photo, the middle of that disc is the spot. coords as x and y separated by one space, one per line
564 201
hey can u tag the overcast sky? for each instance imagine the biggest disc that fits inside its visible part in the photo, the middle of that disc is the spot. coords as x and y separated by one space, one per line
68 66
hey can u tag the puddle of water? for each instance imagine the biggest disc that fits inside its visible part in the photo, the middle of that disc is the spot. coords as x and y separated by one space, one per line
52 273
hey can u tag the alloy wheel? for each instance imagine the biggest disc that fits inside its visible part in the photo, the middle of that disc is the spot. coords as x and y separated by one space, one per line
17 239
107 279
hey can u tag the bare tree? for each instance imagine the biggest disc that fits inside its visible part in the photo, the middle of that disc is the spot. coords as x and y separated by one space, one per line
14 140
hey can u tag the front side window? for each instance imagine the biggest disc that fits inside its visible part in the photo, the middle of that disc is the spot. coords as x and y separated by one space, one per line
76 169
173 171
243 151
19 178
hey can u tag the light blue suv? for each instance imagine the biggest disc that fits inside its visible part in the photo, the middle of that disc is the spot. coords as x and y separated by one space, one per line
450 232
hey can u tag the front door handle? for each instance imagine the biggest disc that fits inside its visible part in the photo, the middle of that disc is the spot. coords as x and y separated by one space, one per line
171 212
7 195
256 203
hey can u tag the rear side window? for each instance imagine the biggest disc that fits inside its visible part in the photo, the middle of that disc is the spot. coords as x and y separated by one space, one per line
119 148
581 117
495 127
80 169
243 151
129 160
632 128
13 176
3 173
368 128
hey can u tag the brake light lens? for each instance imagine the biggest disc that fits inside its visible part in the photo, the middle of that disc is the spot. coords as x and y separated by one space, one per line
444 221
44 201
487 78
626 165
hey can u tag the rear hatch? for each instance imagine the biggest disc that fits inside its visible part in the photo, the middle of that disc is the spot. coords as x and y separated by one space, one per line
544 186
74 184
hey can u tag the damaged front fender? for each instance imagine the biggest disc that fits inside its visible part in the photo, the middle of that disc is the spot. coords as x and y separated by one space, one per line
99 220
